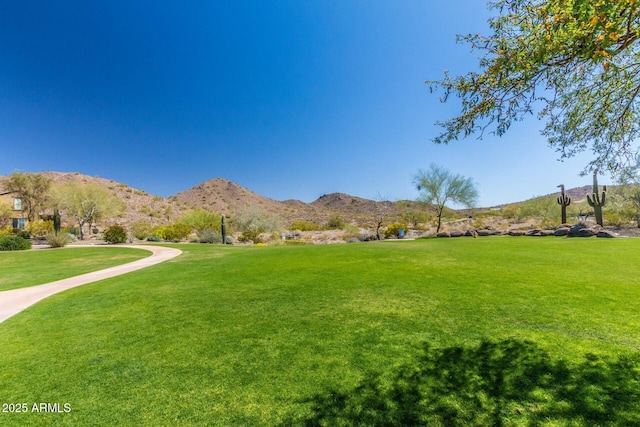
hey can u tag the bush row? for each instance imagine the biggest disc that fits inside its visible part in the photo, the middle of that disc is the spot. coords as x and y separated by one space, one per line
14 243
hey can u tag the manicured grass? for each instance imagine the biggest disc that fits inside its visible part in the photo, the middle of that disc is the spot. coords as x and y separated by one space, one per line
488 331
29 268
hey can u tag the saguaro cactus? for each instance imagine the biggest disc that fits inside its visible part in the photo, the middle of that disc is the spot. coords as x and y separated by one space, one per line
597 201
563 200
224 230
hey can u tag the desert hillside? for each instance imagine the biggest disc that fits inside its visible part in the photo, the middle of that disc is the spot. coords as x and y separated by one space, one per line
224 196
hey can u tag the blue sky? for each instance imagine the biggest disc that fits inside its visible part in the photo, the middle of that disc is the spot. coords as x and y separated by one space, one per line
291 99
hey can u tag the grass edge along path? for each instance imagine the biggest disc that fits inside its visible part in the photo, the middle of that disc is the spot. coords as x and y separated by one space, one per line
16 300
21 269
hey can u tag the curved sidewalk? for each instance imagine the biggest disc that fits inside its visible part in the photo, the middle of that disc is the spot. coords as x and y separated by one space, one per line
16 300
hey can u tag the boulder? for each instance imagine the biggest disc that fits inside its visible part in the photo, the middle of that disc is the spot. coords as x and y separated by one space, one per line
517 232
587 232
533 232
574 231
605 234
547 233
562 231
457 233
443 234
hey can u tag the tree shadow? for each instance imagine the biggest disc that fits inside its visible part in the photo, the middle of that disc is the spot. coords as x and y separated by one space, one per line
492 384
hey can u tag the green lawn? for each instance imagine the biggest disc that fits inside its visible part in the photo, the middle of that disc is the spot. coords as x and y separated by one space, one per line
442 332
21 269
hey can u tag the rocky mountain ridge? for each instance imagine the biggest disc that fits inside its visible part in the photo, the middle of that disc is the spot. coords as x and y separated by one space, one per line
224 196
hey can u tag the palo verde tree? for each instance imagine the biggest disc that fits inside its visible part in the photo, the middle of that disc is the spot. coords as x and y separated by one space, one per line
32 188
575 63
87 203
438 186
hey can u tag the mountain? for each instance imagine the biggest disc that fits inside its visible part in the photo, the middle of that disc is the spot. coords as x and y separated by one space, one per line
221 195
224 196
140 205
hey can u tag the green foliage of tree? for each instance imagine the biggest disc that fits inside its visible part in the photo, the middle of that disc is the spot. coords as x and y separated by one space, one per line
254 219
412 214
438 186
32 188
141 229
576 63
6 213
86 203
40 228
201 221
172 233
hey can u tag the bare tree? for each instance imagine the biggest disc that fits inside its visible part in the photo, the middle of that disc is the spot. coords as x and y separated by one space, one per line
384 208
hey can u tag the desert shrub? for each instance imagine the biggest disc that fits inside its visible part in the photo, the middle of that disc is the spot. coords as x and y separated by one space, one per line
416 217
154 239
366 236
210 236
254 221
512 212
14 243
24 234
335 222
141 229
304 226
179 232
40 228
59 240
201 221
250 236
74 230
228 239
173 233
618 218
393 230
115 234
72 237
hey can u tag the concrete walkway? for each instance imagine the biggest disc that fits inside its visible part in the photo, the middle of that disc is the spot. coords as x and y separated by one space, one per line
16 300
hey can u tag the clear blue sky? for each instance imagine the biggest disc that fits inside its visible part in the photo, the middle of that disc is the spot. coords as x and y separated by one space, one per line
291 99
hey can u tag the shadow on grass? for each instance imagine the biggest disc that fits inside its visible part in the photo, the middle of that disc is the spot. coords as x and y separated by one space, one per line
493 384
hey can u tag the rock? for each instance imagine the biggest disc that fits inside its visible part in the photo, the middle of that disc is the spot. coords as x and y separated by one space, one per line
517 232
457 233
533 232
547 233
574 231
605 234
443 234
485 232
587 232
562 231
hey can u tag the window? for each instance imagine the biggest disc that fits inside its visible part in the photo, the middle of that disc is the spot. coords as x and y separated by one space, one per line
17 204
18 223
